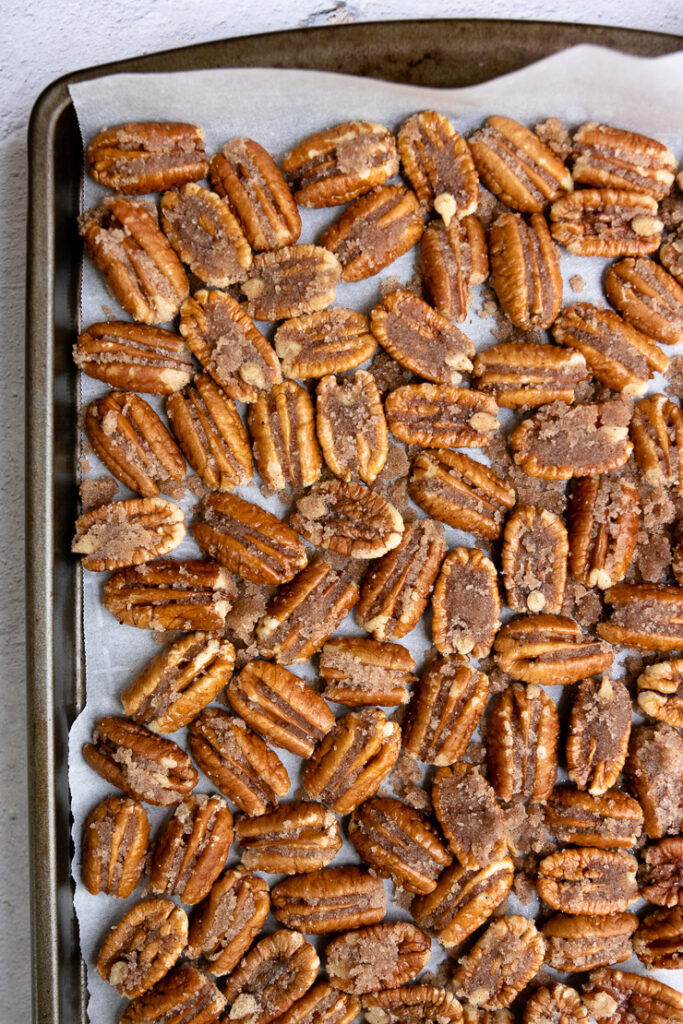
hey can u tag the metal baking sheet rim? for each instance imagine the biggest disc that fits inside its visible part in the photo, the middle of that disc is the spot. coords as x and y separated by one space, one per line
422 52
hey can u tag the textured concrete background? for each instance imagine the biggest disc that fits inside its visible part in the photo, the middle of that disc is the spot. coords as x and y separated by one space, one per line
41 41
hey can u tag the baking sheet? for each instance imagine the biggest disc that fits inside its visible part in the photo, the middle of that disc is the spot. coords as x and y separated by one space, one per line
279 107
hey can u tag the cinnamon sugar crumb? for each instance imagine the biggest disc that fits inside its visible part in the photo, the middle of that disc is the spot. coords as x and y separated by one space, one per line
555 136
196 486
577 283
94 493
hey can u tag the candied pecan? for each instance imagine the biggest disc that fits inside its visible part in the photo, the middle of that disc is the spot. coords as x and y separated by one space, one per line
454 259
549 649
445 710
588 881
381 956
351 426
599 730
322 1004
304 613
412 1004
644 615
135 357
139 267
648 297
657 434
521 374
618 997
555 1004
329 341
206 235
191 851
143 946
250 181
357 671
466 808
115 837
501 963
185 994
353 759
292 281
609 157
580 942
525 270
133 443
167 594
276 972
280 706
654 769
142 764
228 920
463 493
671 255
297 837
658 942
441 416
348 518
604 513
211 433
522 742
147 156
660 691
329 900
396 588
228 345
606 222
534 560
334 166
660 875
438 164
282 426
465 604
127 533
237 761
464 898
611 821
478 1015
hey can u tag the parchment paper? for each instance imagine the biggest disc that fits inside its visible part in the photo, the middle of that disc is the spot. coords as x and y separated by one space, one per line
278 108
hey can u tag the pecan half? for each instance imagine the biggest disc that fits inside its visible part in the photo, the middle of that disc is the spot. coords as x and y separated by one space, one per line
352 761
176 685
191 851
521 374
250 181
654 770
647 297
329 900
463 493
644 615
135 357
611 821
167 594
334 166
276 972
501 963
398 843
521 743
142 764
555 1003
292 281
184 994
381 956
465 806
445 710
304 613
657 434
581 942
454 259
420 339
127 533
115 837
557 443
297 837
441 416
322 1004
465 604
396 588
604 514
438 164
660 691
139 267
143 946
348 518
351 426
525 270
610 157
658 942
375 230
228 345
660 875
211 433
618 997
206 235
248 540
599 731
516 166
464 898
237 761
412 1004
534 560
148 156
133 443
329 341
228 920
588 881
549 649
671 255
280 706
357 671
606 222
282 427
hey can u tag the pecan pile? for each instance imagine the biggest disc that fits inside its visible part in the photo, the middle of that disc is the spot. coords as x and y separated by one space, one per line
573 551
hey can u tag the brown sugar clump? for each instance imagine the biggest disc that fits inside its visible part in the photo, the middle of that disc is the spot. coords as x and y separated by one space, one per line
388 374
577 283
582 603
555 136
94 493
675 377
248 608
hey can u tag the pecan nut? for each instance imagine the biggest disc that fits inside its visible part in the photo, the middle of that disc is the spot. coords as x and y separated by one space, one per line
463 900
660 691
412 1004
454 259
127 533
647 297
351 426
658 942
525 270
228 920
438 164
280 706
166 594
135 357
192 849
611 821
322 1004
671 255
292 281
237 761
588 881
381 956
441 416
534 560
581 942
465 806
206 235
557 1002
654 770
148 156
660 875
357 671
644 615
143 946
139 267
297 837
276 972
657 434
463 493
329 900
352 761
142 764
329 341
465 604
618 997
522 743
183 994
115 837
282 427
445 710
501 963
549 649
608 157
521 374
606 222
348 518
599 731
604 515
